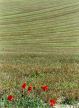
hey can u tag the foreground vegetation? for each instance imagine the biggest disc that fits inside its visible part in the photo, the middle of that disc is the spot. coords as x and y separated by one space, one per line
21 99
60 73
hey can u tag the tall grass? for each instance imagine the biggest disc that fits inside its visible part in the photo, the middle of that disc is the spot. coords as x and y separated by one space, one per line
60 73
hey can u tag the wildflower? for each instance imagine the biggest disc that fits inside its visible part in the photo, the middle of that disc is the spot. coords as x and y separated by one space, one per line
23 85
29 88
44 87
52 102
10 97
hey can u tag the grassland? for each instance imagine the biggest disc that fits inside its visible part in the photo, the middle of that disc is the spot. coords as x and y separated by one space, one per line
60 73
39 44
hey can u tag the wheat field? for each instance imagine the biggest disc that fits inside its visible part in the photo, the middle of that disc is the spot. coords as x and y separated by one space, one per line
44 26
39 44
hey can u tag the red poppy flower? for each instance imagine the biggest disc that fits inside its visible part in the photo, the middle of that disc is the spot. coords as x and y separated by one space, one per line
10 97
23 85
44 87
52 102
29 88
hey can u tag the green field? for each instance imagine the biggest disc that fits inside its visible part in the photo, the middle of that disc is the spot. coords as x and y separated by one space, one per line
39 44
44 26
